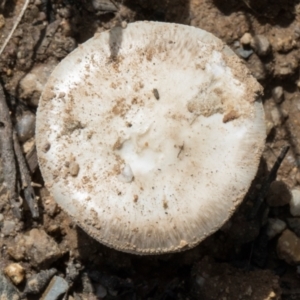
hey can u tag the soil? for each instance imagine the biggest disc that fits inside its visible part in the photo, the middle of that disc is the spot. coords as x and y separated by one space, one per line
240 261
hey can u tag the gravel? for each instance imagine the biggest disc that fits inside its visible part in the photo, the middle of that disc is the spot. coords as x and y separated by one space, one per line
261 45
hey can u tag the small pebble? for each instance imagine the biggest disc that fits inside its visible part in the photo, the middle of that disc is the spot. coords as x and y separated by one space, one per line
275 227
261 45
244 53
8 291
269 127
246 39
86 283
200 280
278 116
257 68
25 126
295 203
32 85
236 44
15 272
57 287
277 94
8 227
248 291
288 247
37 283
101 291
279 194
104 5
74 168
51 207
41 248
294 225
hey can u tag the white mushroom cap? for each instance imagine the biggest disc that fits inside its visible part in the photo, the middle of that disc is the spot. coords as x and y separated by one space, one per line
150 136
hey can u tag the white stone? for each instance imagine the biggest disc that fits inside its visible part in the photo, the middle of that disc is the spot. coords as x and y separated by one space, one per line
295 203
275 226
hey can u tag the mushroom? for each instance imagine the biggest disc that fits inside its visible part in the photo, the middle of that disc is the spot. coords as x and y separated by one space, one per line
164 127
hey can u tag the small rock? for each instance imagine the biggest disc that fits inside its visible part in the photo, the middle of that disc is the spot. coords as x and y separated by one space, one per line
37 283
256 67
2 21
275 227
295 203
288 247
33 83
246 39
57 287
104 5
72 272
294 224
15 272
8 291
41 248
244 53
25 126
87 283
200 280
101 291
269 127
1 218
17 249
236 44
248 291
65 12
279 194
278 116
277 94
261 45
9 227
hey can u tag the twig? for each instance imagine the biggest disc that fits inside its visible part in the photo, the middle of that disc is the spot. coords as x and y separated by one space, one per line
267 182
25 179
7 148
31 160
15 26
180 149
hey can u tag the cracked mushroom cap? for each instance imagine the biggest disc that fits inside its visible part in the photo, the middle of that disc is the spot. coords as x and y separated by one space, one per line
150 136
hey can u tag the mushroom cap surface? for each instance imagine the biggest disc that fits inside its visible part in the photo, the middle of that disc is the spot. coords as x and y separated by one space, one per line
150 136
